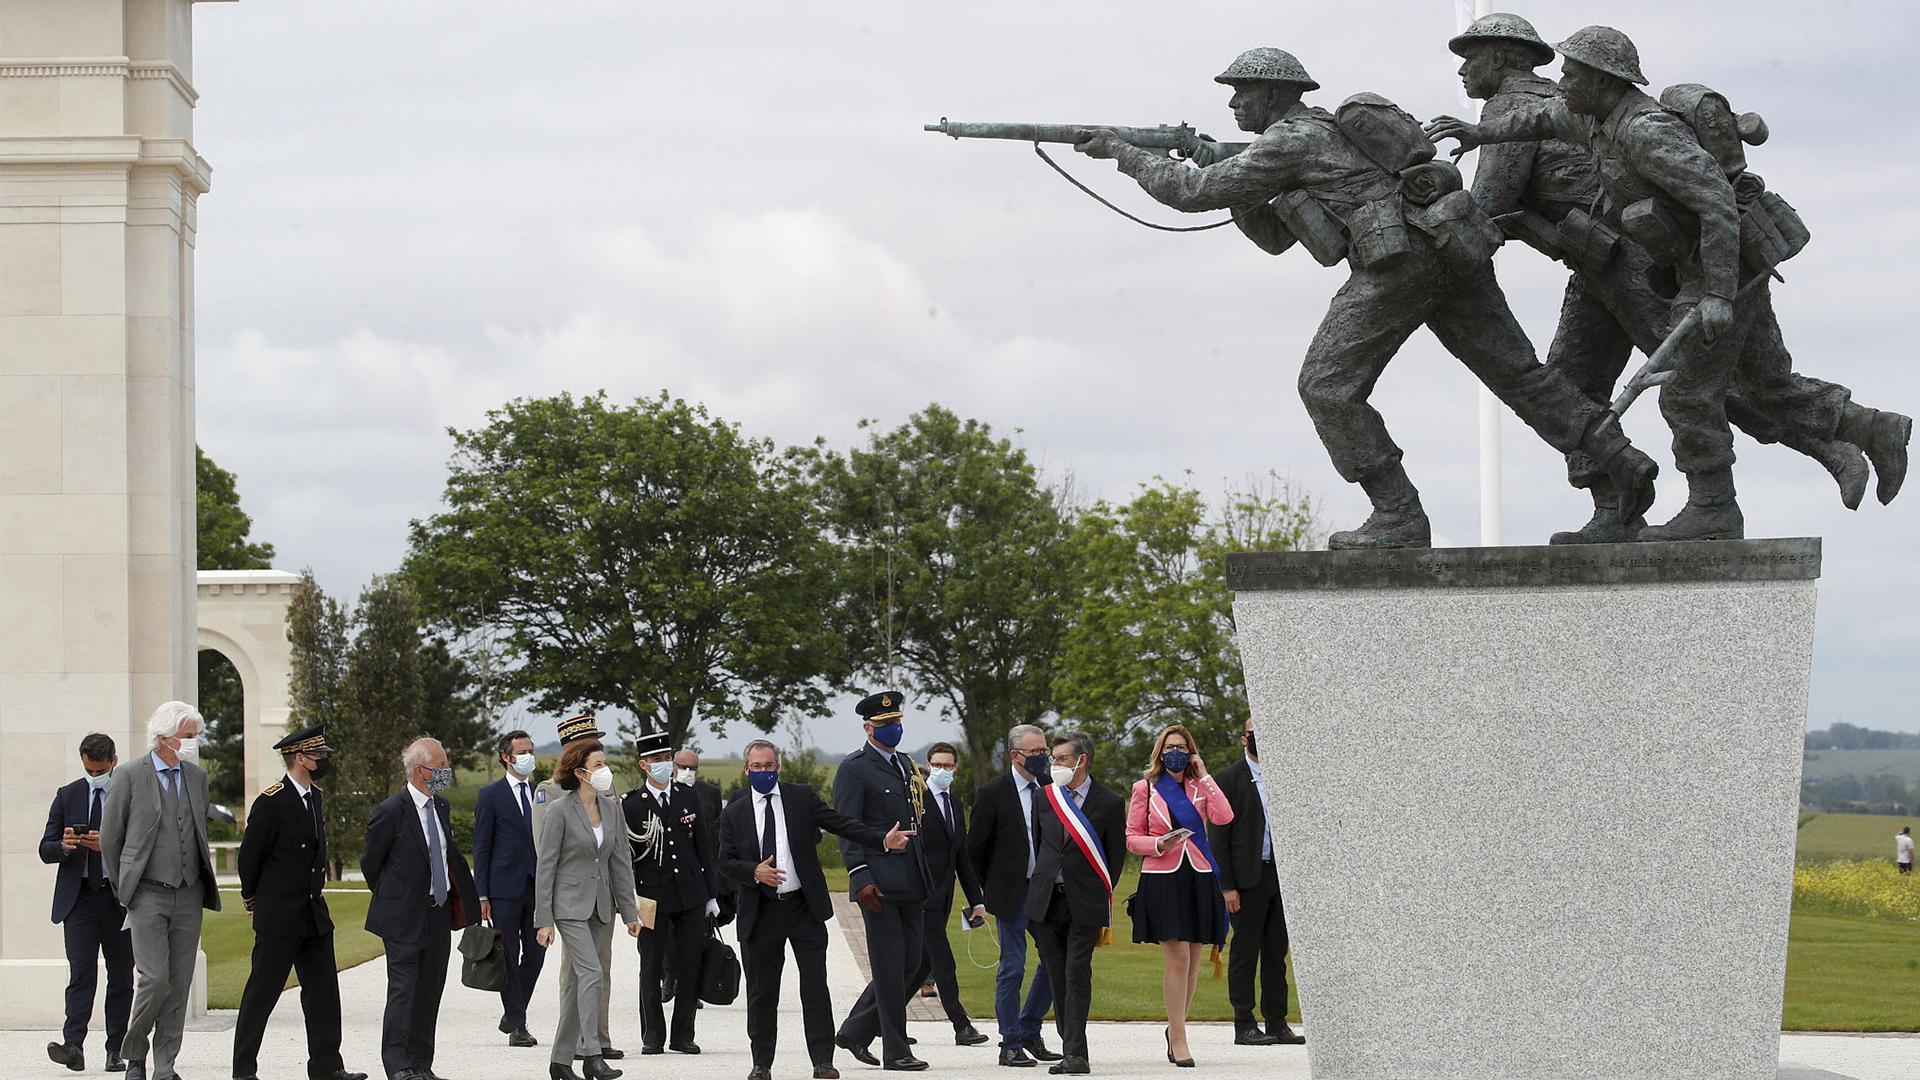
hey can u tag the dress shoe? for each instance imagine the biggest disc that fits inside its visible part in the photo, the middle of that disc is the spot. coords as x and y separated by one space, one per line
559 1071
759 1072
1014 1057
1038 1048
906 1064
860 1053
825 1072
613 1053
1252 1036
648 1051
684 1048
67 1054
911 1041
596 1068
521 1037
1281 1033
137 1069
339 1074
968 1036
116 1063
1073 1066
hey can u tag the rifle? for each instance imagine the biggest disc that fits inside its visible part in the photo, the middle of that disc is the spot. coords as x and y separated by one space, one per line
1174 137
1658 370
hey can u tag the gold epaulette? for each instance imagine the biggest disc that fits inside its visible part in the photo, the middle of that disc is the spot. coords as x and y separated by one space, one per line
273 788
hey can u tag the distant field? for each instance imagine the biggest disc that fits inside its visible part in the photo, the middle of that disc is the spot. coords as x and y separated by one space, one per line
1832 764
1849 836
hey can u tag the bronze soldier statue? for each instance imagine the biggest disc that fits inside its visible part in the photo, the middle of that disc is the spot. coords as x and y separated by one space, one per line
1698 229
1360 186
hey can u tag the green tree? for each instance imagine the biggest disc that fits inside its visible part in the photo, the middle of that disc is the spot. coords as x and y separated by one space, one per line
221 527
450 705
647 557
221 531
1151 640
317 633
958 577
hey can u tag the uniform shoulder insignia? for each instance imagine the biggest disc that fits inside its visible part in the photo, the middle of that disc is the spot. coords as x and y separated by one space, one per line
273 788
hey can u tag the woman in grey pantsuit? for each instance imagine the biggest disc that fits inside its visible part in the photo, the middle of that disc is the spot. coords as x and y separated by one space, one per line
584 876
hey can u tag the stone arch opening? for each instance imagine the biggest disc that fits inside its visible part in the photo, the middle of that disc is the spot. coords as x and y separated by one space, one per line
243 618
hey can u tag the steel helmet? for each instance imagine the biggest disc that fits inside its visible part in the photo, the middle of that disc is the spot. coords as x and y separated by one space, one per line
1501 26
1266 65
1604 49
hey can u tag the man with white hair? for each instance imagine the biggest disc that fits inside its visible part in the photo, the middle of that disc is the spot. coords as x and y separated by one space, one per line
418 902
153 836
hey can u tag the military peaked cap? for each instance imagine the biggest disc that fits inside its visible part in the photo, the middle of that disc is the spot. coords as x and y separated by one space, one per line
308 740
880 708
653 742
580 727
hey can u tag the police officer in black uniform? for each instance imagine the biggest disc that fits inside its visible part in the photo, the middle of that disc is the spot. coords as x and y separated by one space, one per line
879 786
283 868
668 833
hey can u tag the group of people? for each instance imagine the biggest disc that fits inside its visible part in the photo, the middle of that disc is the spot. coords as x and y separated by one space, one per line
563 859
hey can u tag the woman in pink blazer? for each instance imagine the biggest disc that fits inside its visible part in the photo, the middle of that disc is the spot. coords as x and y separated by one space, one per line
1179 906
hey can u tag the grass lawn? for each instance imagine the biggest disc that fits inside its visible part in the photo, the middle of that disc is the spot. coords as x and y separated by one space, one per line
227 938
1850 973
1849 836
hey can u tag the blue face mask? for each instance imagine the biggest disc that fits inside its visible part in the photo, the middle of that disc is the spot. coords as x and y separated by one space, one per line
888 735
1175 761
764 781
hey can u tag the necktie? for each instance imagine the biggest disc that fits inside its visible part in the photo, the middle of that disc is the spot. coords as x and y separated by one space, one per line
1033 814
173 781
769 844
946 805
312 799
436 857
96 871
526 808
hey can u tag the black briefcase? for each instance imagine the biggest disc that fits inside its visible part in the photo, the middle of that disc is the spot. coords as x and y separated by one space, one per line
483 958
719 970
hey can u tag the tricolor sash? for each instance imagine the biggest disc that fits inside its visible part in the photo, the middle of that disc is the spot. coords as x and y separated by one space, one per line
1080 830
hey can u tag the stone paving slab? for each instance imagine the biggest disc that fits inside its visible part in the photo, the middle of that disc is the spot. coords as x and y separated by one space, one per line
471 1049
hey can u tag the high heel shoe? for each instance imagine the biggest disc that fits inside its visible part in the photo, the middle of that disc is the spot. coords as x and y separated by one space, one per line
559 1071
596 1068
1184 1063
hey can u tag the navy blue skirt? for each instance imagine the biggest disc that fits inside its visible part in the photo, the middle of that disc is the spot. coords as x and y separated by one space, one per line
1184 905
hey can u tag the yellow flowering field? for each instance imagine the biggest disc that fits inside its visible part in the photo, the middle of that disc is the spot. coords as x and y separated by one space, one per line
1871 887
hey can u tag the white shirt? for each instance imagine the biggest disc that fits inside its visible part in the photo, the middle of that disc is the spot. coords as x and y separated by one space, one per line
599 835
429 822
1021 782
1266 837
520 788
299 787
782 854
1903 845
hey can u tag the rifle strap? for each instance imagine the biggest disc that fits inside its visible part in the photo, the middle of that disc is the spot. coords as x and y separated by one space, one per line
1096 197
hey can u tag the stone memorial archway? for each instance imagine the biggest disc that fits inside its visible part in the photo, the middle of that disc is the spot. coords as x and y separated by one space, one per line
243 617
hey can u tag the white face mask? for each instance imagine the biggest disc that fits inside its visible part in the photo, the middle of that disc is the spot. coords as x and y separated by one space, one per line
687 775
524 765
189 750
602 780
99 783
1062 775
939 779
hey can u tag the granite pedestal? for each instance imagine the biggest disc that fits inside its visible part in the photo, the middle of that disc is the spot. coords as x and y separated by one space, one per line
1535 806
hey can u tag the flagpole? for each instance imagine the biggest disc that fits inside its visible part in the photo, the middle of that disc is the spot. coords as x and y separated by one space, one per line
1465 12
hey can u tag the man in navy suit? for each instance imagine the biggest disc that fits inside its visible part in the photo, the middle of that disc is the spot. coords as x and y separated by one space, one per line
769 849
85 907
503 865
422 893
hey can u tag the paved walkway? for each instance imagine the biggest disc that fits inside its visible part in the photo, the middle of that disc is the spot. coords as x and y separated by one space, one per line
471 1049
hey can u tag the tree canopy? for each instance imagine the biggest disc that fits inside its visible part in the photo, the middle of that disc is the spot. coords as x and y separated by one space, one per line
645 556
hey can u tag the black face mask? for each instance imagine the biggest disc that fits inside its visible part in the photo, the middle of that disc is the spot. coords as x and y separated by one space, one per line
321 768
1040 767
1253 747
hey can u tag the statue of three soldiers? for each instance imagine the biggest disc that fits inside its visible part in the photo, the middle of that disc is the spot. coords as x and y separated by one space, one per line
1670 241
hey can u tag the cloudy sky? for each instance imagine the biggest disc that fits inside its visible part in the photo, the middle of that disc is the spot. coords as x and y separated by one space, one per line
424 209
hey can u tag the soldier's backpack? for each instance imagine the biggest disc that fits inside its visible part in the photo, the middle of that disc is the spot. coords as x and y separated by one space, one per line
1391 138
1771 231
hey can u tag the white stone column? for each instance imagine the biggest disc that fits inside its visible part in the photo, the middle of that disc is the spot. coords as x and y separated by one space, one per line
98 183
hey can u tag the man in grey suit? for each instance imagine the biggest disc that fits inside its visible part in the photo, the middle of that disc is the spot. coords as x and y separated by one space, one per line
153 835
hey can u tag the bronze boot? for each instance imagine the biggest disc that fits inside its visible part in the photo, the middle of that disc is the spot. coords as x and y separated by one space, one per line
1711 512
1884 436
1397 521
